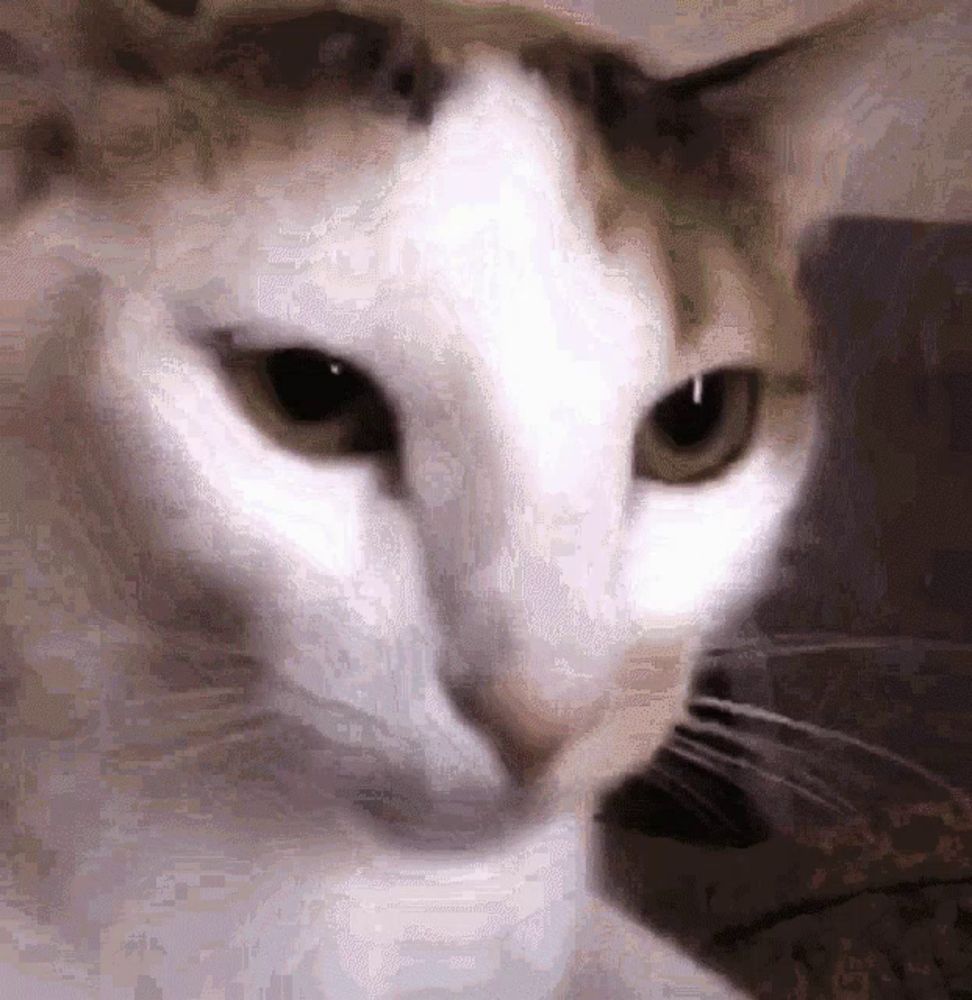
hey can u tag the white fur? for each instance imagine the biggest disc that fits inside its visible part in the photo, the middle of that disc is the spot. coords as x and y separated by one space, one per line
466 272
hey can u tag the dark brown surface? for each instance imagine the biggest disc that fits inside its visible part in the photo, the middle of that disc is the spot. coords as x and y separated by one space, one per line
869 910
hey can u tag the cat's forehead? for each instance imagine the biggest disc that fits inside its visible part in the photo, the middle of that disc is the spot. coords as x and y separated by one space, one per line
339 108
368 133
249 77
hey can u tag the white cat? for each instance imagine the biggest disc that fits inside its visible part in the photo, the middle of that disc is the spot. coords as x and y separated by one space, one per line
389 411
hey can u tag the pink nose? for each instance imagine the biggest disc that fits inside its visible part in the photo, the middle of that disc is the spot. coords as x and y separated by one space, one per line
527 729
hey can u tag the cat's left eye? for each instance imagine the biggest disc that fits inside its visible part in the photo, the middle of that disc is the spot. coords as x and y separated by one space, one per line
698 429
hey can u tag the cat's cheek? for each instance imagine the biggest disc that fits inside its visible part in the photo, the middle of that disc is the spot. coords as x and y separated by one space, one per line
694 554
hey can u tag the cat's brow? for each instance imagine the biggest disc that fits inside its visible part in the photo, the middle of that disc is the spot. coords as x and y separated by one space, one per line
326 55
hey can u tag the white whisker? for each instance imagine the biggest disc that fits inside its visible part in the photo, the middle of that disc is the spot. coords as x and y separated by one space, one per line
191 746
705 756
167 699
759 714
796 643
760 745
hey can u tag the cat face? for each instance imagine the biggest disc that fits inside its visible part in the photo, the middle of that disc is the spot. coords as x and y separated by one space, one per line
398 456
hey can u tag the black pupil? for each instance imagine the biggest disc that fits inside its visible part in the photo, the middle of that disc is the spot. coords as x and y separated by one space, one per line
689 416
312 387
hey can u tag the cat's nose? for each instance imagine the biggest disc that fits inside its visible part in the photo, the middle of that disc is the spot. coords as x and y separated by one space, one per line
527 728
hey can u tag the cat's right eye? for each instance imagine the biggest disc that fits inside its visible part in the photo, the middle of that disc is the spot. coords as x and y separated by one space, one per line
312 401
698 429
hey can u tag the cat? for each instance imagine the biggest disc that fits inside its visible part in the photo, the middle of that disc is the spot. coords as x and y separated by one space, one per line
393 401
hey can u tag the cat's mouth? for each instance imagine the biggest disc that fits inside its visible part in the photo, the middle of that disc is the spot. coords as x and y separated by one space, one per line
454 796
455 822
469 801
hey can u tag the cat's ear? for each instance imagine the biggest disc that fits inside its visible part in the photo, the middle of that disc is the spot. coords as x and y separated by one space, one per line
737 136
790 115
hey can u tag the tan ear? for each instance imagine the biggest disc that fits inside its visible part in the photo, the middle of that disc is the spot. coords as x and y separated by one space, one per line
868 113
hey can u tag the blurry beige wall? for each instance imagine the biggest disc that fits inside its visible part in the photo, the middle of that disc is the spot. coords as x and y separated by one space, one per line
682 33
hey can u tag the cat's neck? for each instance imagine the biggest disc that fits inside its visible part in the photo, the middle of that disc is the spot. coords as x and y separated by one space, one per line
482 922
361 920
